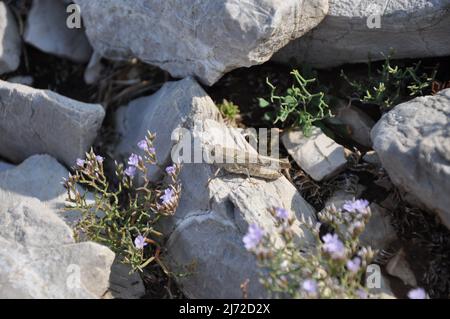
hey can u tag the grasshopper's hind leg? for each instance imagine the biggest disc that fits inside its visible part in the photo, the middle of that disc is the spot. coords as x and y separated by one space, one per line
214 176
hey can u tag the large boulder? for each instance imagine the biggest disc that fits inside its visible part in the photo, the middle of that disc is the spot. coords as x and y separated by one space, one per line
413 143
204 238
10 42
40 121
201 38
39 257
413 28
46 29
35 226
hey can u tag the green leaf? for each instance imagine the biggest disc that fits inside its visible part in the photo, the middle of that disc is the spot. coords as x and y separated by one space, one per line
263 103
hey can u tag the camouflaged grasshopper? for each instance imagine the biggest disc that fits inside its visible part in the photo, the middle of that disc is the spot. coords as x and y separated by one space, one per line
250 164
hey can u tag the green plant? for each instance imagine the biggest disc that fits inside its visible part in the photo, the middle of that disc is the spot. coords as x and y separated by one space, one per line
298 107
123 214
333 267
392 84
229 111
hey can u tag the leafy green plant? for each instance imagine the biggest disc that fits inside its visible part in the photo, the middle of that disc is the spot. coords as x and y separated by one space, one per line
123 214
332 268
298 107
392 84
229 111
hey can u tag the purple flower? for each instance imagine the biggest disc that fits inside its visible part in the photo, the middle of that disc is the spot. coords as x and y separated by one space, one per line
130 171
282 213
362 294
310 286
99 159
134 160
354 264
354 206
253 237
333 246
171 170
168 196
139 242
143 145
417 293
80 162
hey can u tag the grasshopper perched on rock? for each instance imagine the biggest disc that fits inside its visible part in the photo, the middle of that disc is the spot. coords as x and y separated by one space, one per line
251 164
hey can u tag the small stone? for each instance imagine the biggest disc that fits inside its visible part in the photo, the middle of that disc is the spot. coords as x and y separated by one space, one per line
55 125
46 29
93 69
371 157
359 124
399 267
318 155
10 42
379 233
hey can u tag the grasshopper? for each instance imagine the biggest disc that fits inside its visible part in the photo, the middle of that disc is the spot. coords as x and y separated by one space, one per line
250 164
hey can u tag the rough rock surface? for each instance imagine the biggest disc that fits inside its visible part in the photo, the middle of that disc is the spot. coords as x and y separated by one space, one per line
46 29
358 124
36 184
379 233
413 28
318 155
5 166
413 143
399 267
39 257
205 235
193 37
10 43
40 121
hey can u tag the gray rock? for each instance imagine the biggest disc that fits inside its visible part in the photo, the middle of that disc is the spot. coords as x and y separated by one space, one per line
205 235
201 38
318 155
359 124
93 69
55 125
40 177
371 157
379 233
413 28
21 79
39 258
161 113
413 143
5 166
46 29
399 267
10 43
123 283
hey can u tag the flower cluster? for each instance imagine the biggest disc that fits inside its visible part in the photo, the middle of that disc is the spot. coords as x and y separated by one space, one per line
120 212
332 266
